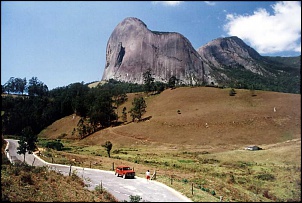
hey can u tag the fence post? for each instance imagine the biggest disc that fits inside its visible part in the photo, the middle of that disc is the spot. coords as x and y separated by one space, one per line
90 164
171 180
154 175
51 159
113 166
192 187
70 170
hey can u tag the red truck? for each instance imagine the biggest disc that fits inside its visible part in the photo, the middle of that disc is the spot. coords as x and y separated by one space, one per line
124 171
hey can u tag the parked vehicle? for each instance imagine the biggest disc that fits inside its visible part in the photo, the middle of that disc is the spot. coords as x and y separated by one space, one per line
124 171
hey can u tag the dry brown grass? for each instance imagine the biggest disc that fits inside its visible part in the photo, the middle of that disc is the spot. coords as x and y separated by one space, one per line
233 121
23 183
176 141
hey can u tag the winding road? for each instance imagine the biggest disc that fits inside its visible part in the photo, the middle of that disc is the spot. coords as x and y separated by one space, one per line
149 191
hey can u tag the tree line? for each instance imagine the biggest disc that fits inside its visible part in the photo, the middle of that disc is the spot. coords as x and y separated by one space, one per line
34 87
36 107
97 106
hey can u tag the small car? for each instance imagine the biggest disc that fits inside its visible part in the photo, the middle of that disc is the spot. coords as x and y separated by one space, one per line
124 171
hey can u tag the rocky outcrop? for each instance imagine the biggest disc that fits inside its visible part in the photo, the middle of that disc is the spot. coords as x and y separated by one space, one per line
132 49
231 51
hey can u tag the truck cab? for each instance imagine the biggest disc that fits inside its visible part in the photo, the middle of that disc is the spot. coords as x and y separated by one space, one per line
124 171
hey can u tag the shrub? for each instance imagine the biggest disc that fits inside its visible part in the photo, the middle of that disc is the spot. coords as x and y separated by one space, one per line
57 145
135 198
232 92
266 176
26 178
185 181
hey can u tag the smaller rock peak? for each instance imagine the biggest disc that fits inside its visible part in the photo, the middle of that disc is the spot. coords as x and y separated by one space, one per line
132 20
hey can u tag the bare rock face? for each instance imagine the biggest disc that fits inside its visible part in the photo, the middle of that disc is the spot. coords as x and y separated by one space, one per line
132 49
231 51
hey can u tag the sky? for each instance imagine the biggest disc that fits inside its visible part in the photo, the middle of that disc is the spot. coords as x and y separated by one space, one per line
64 42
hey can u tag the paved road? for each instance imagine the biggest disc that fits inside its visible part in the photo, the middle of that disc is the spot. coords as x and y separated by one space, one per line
150 191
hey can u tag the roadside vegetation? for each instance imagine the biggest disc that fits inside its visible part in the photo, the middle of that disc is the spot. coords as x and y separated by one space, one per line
24 183
234 175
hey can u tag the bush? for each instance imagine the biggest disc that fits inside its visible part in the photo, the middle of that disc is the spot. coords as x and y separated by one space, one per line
185 181
266 176
232 92
134 198
57 145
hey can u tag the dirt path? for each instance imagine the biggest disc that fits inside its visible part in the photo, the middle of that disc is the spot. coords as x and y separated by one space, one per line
150 191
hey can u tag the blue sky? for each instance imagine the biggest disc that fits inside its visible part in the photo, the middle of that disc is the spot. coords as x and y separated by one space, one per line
63 42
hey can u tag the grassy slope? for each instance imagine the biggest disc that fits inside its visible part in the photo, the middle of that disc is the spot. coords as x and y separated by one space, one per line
233 123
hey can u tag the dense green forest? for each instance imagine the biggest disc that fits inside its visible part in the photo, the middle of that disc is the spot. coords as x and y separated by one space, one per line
41 107
282 74
33 105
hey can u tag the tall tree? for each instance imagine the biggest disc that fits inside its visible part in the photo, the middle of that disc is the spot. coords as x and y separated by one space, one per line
138 109
20 85
108 147
101 110
172 82
9 86
27 142
124 114
36 87
148 81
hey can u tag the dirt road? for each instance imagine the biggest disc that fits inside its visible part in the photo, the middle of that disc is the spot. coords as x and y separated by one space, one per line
149 191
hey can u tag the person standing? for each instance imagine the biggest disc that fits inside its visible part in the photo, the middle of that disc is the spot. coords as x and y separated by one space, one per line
148 175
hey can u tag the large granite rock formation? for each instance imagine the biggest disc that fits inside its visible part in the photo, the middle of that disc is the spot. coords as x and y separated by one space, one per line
132 49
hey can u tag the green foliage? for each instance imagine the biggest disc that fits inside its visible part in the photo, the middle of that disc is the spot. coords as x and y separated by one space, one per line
57 145
232 92
108 147
27 142
22 148
15 85
124 114
185 181
134 198
283 77
37 87
172 82
159 87
138 109
266 177
148 81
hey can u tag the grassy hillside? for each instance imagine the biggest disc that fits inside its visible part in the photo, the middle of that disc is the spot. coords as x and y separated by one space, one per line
196 136
202 116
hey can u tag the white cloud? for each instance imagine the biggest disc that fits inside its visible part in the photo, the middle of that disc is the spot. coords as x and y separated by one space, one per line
269 33
210 3
168 3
